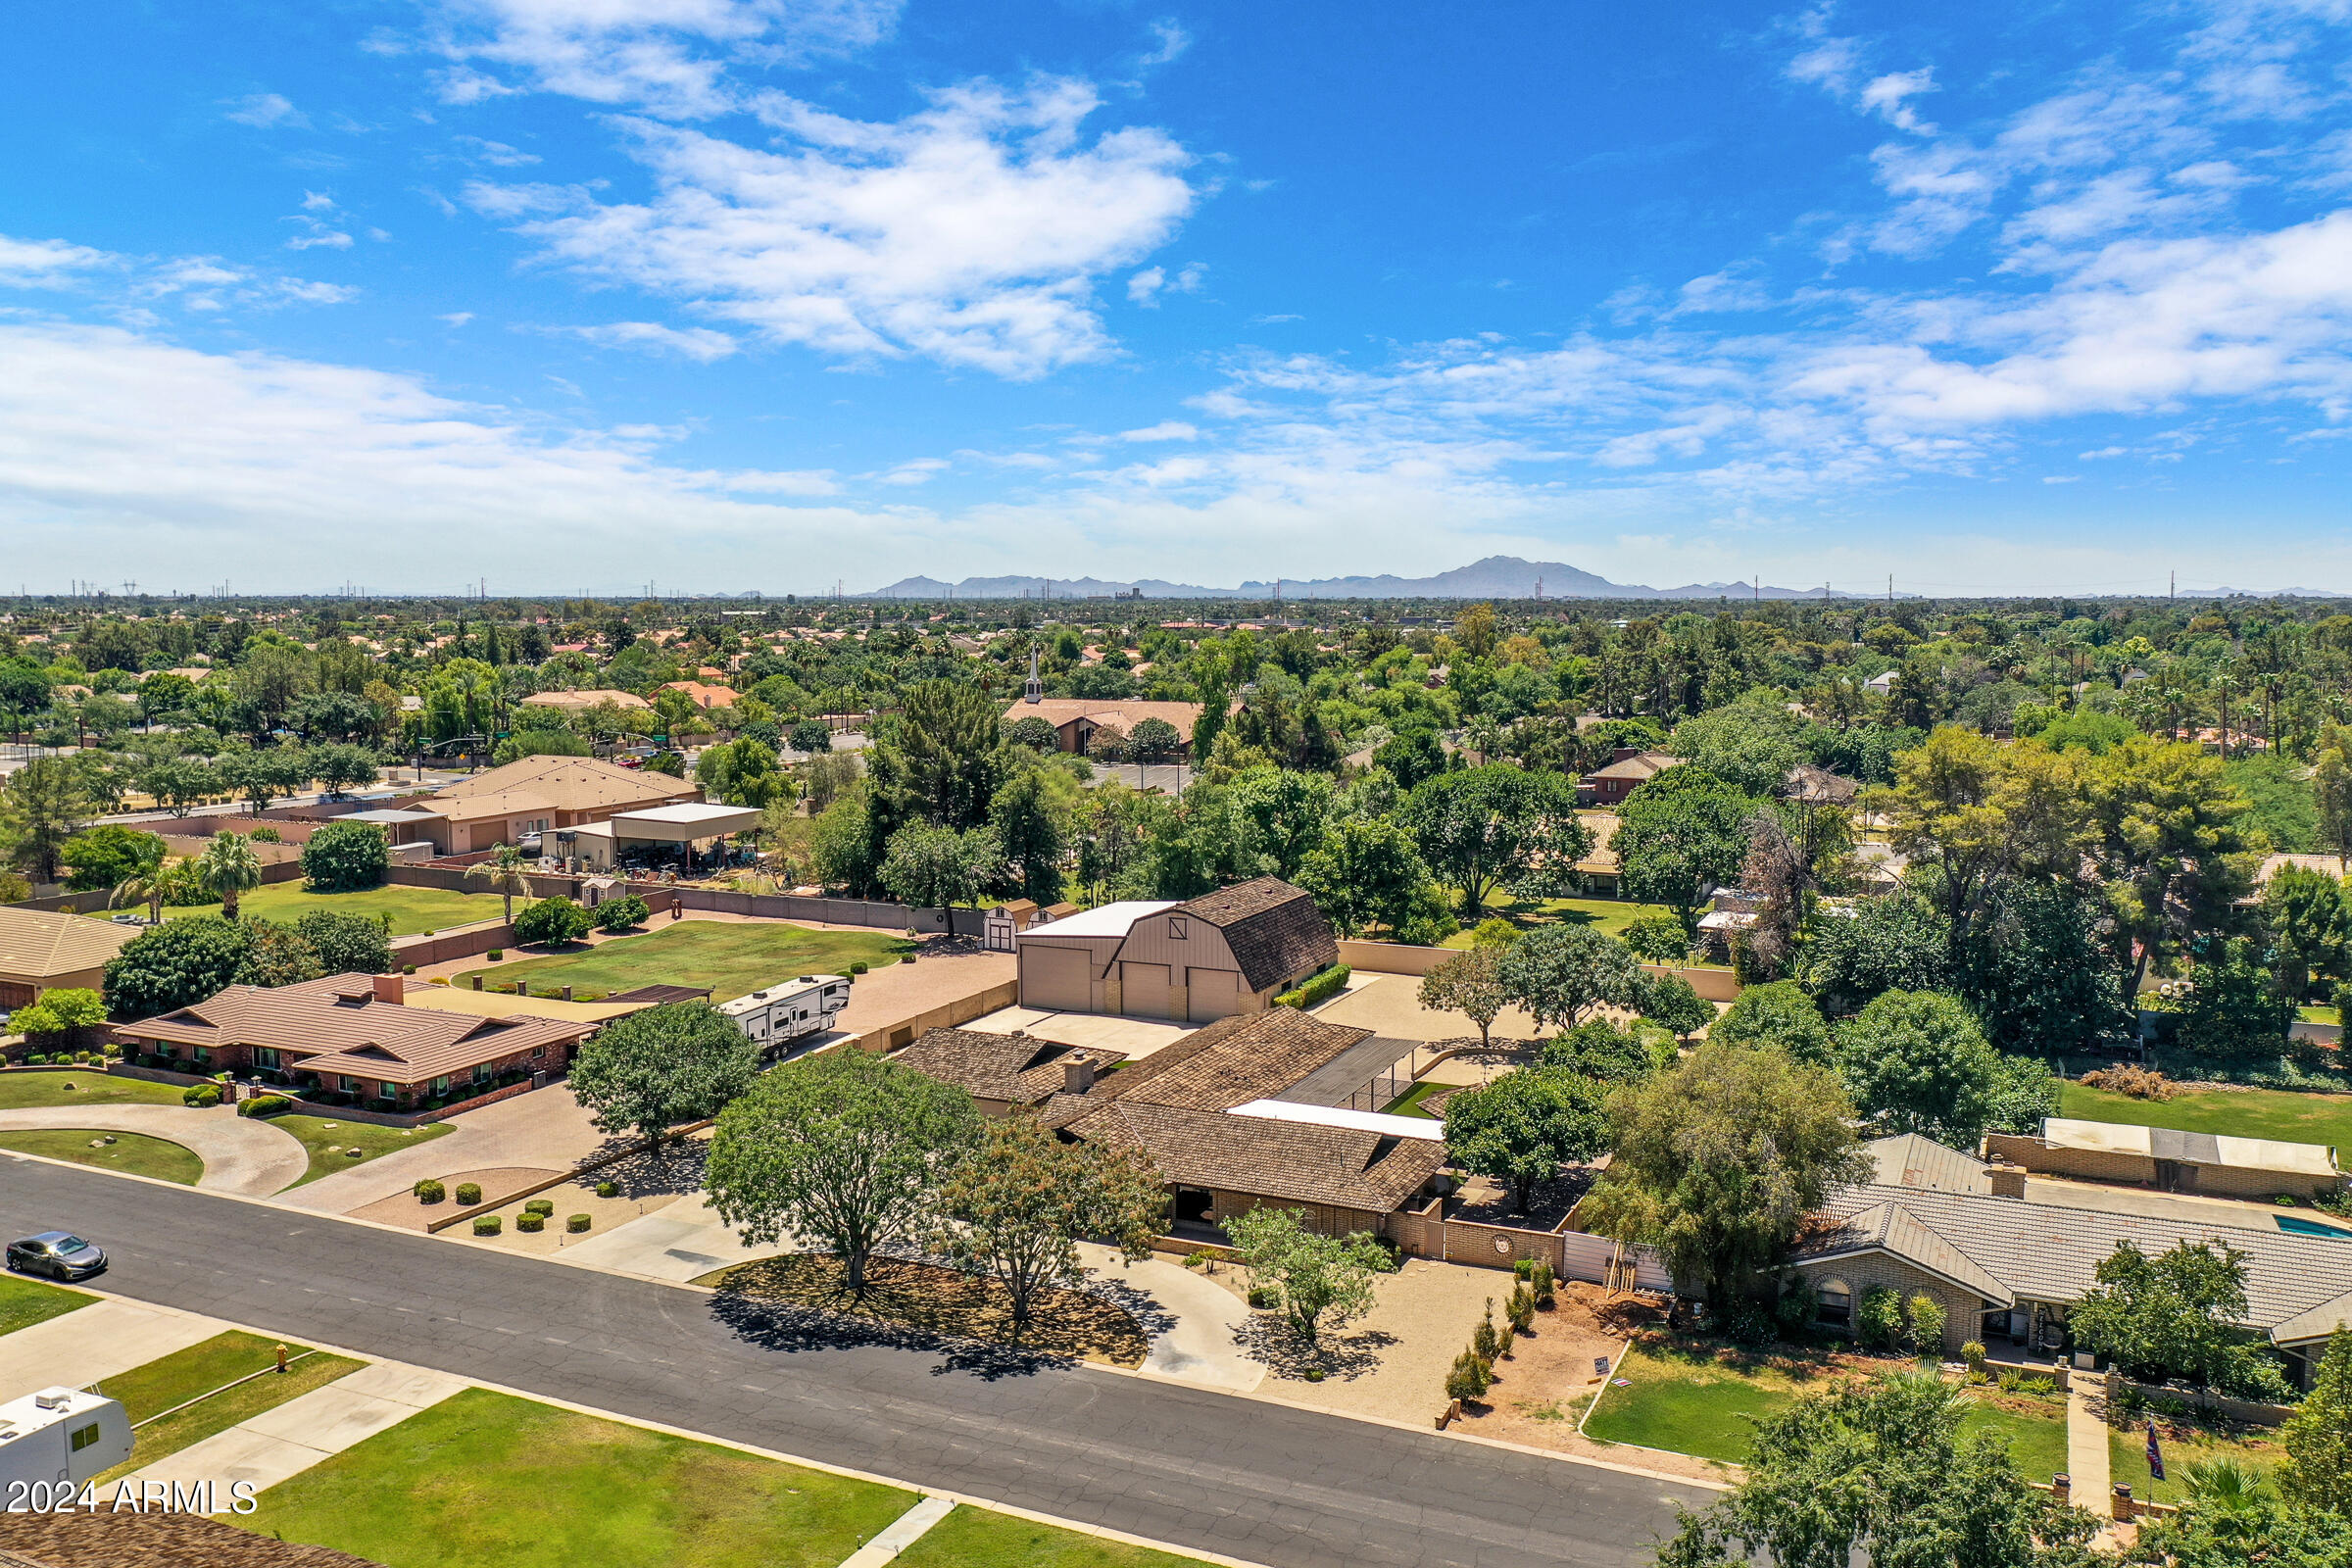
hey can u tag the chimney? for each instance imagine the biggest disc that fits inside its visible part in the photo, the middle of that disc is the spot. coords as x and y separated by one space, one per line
1623 753
2008 1181
391 988
1077 1073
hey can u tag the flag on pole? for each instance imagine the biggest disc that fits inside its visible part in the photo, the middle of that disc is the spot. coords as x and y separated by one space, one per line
2155 1454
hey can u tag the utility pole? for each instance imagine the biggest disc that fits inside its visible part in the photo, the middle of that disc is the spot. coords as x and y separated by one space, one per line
2172 593
1891 590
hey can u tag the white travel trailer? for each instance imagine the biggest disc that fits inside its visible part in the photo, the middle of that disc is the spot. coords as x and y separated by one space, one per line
57 1436
777 1015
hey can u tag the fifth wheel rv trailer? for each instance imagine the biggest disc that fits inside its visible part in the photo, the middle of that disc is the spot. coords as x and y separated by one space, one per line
794 1010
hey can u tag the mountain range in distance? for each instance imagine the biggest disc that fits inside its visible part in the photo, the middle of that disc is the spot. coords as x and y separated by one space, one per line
1496 577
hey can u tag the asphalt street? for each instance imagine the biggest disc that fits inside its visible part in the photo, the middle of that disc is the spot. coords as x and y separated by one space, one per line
1187 1466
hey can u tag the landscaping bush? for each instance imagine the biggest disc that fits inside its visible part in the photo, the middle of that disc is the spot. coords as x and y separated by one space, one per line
858 967
408 968
541 1206
496 955
576 1224
2141 1083
1315 1374
1520 1309
1468 1378
1927 1323
264 1106
1973 1352
1317 988
266 834
485 1224
1266 1298
470 1192
530 1221
619 915
552 922
429 1191
1793 1311
1545 1284
1485 1342
1523 1268
1878 1318
343 857
607 1189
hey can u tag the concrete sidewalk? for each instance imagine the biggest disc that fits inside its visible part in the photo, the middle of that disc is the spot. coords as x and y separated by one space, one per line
94 1343
317 1425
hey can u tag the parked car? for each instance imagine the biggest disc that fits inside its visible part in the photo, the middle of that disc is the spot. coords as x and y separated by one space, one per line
60 1254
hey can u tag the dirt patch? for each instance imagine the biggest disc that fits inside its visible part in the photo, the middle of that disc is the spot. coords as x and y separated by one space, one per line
497 1183
1484 1201
944 1301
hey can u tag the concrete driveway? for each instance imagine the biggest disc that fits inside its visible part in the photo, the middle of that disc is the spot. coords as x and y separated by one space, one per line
242 1155
682 1242
1193 1322
544 1130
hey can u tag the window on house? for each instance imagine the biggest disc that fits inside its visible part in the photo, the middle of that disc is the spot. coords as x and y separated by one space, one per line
1833 1305
441 1086
264 1057
537 1052
481 1073
1175 930
351 1085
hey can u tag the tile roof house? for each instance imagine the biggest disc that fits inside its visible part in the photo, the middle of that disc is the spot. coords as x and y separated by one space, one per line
47 949
1628 770
101 1538
1228 951
2008 1258
580 702
350 1033
534 794
705 696
1076 718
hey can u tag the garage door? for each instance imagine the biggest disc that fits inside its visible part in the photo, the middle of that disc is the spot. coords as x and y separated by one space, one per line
1148 990
1055 978
1212 994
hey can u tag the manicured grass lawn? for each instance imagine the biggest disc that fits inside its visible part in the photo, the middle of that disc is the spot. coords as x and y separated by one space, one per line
1409 1103
732 957
1688 1406
2035 1428
20 1090
2234 1113
24 1302
974 1537
131 1153
485 1480
190 1374
1611 916
413 909
2128 1456
327 1148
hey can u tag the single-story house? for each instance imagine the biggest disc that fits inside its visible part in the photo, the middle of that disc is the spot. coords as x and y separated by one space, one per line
687 825
47 949
1075 720
352 1033
531 795
1627 770
1005 1072
1228 951
2008 1258
581 702
705 696
2171 1160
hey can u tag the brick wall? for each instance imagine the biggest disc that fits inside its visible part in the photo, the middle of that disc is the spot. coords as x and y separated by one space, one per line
2091 1164
1963 1310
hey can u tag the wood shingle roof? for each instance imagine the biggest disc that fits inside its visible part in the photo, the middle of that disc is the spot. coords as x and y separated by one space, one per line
1274 930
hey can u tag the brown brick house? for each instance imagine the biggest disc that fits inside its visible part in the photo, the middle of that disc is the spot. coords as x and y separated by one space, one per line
350 1034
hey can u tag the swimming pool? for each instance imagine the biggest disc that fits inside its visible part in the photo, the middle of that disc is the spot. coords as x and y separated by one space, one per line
2296 1226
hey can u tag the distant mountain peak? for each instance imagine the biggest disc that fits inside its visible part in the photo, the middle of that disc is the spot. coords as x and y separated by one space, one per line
1494 577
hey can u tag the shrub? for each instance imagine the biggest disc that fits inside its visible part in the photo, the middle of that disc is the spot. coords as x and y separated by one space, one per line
470 1192
530 1221
342 856
264 1106
1878 1318
858 967
619 915
485 1224
576 1224
496 955
2140 1083
1973 1352
408 968
1926 1323
1266 1298
1468 1378
552 922
1520 1309
266 834
541 1206
429 1191
1793 1311
1524 1267
1317 989
1485 1342
607 1189
1544 1284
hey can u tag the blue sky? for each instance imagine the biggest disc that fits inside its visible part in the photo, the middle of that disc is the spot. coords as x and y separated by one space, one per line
731 294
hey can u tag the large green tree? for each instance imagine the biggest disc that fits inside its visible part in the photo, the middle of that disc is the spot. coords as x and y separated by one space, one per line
108 856
42 805
2176 1314
650 1071
344 857
940 866
2172 851
1017 1205
1027 820
1367 871
229 868
1679 836
943 754
1559 972
170 965
1484 829
1321 1281
347 944
1777 1017
1916 1062
2318 1437
1524 1126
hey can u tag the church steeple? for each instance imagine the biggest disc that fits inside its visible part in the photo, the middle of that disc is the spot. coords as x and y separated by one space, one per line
1035 690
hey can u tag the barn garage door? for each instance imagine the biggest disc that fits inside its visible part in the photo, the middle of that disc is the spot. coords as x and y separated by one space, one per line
1148 990
1055 978
1214 993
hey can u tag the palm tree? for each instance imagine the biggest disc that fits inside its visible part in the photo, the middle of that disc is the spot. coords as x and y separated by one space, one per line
146 884
506 875
2225 1491
230 868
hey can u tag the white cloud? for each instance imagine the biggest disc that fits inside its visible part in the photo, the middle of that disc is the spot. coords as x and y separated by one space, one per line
496 153
1889 97
332 239
970 232
697 343
1146 288
266 111
316 200
1164 430
456 318
46 263
1170 41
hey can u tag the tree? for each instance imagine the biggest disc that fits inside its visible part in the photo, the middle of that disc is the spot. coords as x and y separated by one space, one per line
938 865
2309 925
1720 1161
1524 1126
42 805
809 736
1881 1472
1600 1051
2170 846
2331 794
276 955
229 868
1968 810
1019 1204
2035 972
1916 1062
650 1071
1897 943
1029 833
1658 939
1556 972
1411 757
1367 871
1471 984
1323 1281
64 1012
23 691
845 1148
1029 730
1486 828
1675 1005
342 767
2234 1011
2176 1314
745 771
1287 811
1154 740
1779 1016
169 967
344 857
944 752
1680 835
181 784
2260 1529
552 922
504 874
620 915
2318 1437
107 855
1751 744
347 944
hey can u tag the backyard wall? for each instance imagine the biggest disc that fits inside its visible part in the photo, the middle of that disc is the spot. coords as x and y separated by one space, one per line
459 942
875 912
95 902
964 1010
1572 1254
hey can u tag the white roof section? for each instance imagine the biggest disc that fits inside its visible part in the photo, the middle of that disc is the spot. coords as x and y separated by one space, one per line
45 1409
1107 920
389 815
778 991
1362 1121
2164 1143
684 823
686 813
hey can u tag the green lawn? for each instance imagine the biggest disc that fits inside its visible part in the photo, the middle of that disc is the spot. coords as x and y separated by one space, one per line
731 958
2035 1428
486 1480
974 1537
2276 1115
24 1302
173 1380
2128 1457
413 909
327 1148
1688 1405
1409 1103
1611 916
20 1090
132 1152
